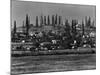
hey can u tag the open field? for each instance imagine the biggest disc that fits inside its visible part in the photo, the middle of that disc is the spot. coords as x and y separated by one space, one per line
51 63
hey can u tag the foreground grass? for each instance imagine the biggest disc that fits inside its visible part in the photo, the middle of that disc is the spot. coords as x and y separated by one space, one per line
49 63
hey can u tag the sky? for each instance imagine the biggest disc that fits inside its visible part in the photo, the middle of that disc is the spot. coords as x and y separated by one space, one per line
19 9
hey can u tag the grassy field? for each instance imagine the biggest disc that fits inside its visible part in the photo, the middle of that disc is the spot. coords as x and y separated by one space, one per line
51 63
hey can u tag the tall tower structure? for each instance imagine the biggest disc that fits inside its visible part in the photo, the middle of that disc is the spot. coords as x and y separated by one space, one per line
56 19
36 21
48 20
67 28
27 24
74 32
45 20
14 27
82 27
41 20
23 27
53 23
59 20
85 20
89 22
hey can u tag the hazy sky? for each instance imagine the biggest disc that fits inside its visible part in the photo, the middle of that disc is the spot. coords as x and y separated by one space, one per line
19 9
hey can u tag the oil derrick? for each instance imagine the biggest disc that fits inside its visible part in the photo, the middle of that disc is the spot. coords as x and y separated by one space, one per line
48 20
44 20
82 28
72 26
14 27
53 23
74 32
41 20
27 24
67 28
56 19
29 21
89 22
68 40
85 20
36 21
23 27
59 20
92 24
